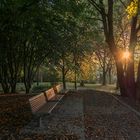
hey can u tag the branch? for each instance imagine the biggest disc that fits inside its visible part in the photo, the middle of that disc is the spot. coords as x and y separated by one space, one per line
138 28
123 4
95 5
95 18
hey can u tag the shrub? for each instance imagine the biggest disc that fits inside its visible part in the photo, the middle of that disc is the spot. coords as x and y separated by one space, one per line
39 88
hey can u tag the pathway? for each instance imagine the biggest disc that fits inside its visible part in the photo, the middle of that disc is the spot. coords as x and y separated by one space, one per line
88 115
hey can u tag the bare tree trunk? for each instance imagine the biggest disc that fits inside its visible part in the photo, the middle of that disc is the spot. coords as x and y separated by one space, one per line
104 68
27 87
63 77
104 76
5 87
138 84
131 84
75 80
27 79
4 79
63 72
110 76
121 78
37 77
117 84
13 86
130 81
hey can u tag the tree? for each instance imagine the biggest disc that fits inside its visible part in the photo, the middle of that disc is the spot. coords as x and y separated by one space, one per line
11 52
25 41
105 60
106 13
69 28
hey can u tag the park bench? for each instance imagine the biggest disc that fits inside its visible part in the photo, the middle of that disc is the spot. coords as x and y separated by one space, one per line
59 89
45 102
37 102
52 96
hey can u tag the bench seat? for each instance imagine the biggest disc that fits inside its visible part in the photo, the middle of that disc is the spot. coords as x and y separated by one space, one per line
48 108
56 98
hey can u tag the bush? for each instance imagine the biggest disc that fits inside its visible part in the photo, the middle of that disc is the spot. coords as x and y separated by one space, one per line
39 88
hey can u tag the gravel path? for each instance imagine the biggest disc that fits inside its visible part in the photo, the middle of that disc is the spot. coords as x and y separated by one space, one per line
88 115
106 119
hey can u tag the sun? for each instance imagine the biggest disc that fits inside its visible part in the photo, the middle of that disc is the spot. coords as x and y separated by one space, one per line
126 55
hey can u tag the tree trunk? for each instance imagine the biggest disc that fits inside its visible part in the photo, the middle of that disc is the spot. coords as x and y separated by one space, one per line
117 84
110 76
104 77
4 79
104 68
121 78
37 79
27 86
138 84
63 77
131 85
27 81
13 82
64 82
13 87
126 77
5 87
130 80
75 81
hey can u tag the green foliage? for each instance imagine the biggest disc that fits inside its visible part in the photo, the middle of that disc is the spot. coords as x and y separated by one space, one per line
36 30
40 87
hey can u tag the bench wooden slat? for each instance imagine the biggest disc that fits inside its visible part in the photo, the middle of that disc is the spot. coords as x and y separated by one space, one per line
37 102
50 94
59 88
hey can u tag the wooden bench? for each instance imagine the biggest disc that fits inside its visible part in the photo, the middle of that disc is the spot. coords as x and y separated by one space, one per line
37 102
59 89
41 103
52 96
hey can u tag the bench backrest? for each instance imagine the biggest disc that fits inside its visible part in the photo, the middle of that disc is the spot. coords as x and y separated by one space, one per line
59 88
50 94
37 102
